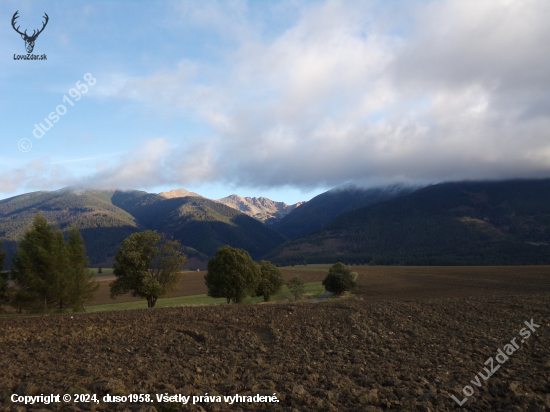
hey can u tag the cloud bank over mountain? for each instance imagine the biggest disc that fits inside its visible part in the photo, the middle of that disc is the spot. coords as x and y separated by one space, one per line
320 93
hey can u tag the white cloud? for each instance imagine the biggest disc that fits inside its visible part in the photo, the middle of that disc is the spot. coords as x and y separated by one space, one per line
352 91
157 161
37 174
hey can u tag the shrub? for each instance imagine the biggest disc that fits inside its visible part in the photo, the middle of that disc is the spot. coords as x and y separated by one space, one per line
296 287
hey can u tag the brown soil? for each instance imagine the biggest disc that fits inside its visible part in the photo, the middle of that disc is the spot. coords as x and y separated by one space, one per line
392 282
404 343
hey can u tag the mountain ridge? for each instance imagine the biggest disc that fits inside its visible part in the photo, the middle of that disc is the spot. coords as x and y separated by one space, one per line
327 206
499 222
106 217
178 193
504 222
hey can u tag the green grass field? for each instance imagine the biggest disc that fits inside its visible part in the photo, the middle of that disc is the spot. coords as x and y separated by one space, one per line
312 290
104 271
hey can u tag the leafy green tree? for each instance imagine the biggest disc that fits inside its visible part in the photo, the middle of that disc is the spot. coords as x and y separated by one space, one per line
232 274
147 265
296 286
271 280
82 287
340 279
40 268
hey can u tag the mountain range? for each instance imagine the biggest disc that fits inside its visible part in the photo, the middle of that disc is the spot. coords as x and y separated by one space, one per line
261 208
323 208
178 193
462 223
106 217
505 222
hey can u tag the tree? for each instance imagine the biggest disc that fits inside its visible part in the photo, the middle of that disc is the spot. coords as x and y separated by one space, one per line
147 265
271 280
232 274
40 268
24 299
296 286
49 272
340 279
99 270
82 287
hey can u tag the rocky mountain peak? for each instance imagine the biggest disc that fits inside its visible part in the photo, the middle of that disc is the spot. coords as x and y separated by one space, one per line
260 208
178 193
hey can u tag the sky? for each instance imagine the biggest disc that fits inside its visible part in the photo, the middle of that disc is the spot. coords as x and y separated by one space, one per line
283 99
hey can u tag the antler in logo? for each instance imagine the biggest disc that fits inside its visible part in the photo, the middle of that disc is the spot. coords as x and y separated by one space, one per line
29 40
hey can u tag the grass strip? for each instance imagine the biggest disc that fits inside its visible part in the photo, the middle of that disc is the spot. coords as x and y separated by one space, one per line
313 289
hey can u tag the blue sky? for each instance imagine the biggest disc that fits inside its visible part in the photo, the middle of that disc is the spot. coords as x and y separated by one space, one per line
283 99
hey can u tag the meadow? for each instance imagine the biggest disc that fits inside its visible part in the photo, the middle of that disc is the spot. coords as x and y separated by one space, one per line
374 283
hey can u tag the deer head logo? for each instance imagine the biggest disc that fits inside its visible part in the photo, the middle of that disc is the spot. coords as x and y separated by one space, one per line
29 40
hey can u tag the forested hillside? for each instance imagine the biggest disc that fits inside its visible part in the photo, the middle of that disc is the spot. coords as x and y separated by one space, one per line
451 223
323 208
105 218
102 225
198 222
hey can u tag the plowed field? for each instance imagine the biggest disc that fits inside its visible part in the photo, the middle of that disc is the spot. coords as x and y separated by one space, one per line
410 340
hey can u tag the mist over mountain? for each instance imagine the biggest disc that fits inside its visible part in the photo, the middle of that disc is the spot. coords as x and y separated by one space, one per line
323 208
506 222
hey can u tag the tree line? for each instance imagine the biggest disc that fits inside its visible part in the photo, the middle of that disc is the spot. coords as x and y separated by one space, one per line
233 275
149 266
50 273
